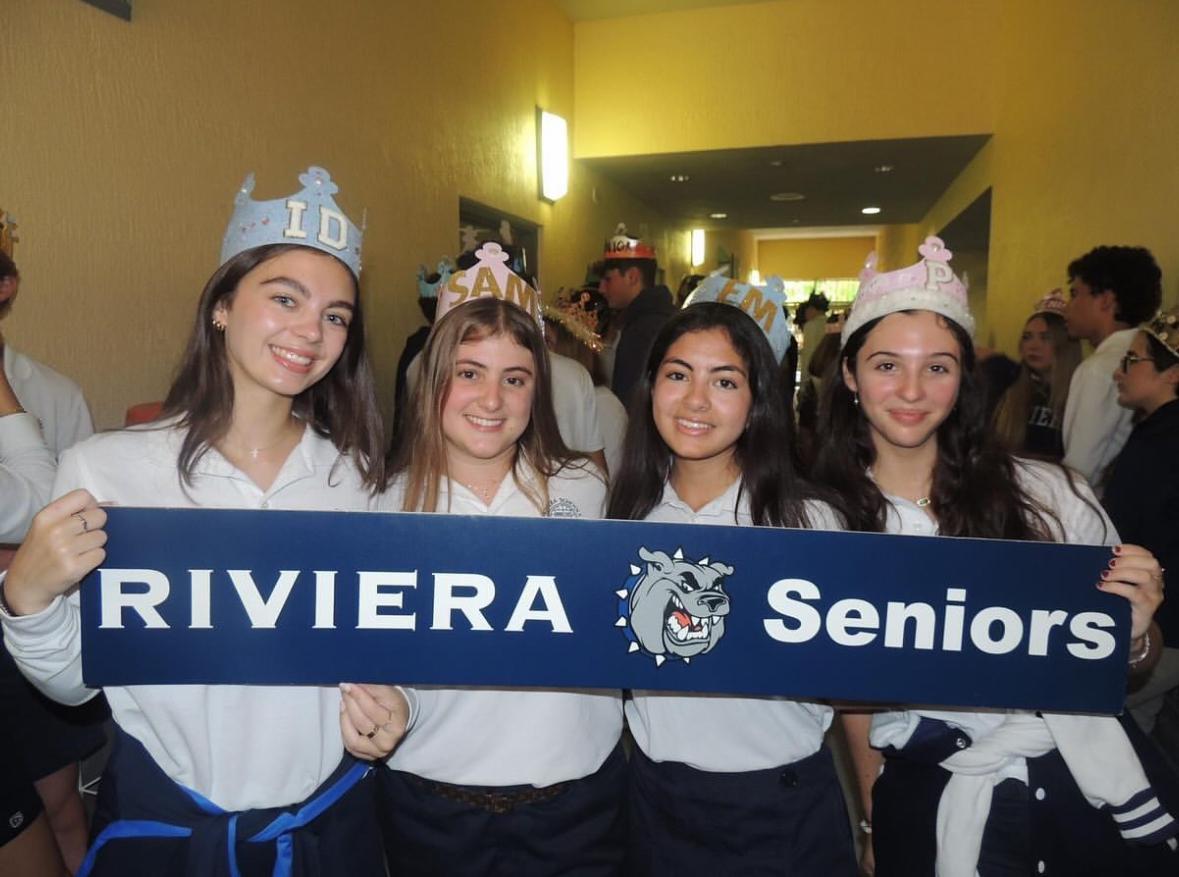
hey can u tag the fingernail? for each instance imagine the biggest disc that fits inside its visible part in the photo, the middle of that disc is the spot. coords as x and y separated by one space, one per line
1117 549
1105 575
1112 564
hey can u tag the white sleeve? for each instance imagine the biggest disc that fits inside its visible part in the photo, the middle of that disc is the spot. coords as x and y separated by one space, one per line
1082 519
75 423
1092 418
26 474
576 404
47 646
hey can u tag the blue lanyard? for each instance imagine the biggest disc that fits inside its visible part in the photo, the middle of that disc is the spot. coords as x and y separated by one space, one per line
280 830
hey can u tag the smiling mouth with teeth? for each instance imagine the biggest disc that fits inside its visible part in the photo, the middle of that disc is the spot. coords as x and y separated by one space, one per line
683 626
291 356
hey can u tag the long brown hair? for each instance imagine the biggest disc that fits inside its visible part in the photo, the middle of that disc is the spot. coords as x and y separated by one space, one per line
1014 408
341 407
421 452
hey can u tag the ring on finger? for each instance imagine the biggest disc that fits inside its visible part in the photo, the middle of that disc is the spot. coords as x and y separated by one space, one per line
373 732
82 520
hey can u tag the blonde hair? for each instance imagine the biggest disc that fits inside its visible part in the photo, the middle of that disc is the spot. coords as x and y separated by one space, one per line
1015 406
421 454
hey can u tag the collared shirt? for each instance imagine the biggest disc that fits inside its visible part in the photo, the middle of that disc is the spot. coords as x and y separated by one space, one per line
714 732
507 737
30 443
1080 520
240 746
1095 425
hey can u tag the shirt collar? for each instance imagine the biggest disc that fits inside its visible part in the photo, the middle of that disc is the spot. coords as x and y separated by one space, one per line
724 505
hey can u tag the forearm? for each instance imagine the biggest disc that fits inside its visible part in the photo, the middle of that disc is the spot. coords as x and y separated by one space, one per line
866 761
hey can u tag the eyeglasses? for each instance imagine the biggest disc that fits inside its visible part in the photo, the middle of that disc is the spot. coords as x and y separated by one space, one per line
1132 358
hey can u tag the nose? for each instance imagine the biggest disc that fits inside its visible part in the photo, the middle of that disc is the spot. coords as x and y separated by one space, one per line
492 396
309 326
696 396
910 389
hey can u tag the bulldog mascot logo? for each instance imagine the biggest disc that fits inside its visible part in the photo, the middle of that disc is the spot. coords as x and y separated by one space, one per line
672 607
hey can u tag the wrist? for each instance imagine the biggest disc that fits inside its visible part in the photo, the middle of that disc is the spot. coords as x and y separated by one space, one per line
14 603
1139 649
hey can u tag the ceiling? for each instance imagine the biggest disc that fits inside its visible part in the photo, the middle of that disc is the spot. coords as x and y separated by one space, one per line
586 10
836 180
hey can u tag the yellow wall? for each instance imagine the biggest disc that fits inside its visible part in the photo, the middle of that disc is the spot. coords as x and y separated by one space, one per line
124 144
796 71
813 258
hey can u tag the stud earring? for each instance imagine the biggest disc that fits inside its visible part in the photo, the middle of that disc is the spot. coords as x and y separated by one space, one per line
218 325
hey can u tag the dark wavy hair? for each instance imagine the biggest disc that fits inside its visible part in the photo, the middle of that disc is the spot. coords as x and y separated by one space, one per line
764 451
975 491
341 407
1130 273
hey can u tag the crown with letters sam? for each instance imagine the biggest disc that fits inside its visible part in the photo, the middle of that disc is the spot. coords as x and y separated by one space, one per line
929 285
622 246
490 276
765 304
309 218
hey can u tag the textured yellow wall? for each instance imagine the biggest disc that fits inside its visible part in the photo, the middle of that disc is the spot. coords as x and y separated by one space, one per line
124 144
813 258
796 71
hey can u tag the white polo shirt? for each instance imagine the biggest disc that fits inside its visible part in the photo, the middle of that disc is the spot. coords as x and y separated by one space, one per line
501 737
714 732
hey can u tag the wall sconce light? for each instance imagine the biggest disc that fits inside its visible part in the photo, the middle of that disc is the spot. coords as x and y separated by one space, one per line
754 277
697 247
552 146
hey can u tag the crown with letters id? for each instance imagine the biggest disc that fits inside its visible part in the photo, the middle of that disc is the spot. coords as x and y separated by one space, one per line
309 218
622 246
764 304
490 276
929 285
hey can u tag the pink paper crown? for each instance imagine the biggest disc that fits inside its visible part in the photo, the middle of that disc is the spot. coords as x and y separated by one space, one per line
1052 303
929 285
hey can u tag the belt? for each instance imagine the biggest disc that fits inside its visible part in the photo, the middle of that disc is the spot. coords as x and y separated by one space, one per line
491 798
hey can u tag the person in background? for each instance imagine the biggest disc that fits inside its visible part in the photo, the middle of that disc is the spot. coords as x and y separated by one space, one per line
1029 415
428 285
571 330
627 273
1111 291
812 317
42 413
1142 494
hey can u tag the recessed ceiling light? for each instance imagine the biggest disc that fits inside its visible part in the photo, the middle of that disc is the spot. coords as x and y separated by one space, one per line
680 178
777 162
788 196
718 216
870 211
883 168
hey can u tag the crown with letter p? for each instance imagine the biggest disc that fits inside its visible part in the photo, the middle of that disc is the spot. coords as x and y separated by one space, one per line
309 218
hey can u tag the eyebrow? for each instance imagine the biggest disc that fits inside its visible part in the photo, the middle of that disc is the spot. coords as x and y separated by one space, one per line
901 356
478 364
713 370
305 292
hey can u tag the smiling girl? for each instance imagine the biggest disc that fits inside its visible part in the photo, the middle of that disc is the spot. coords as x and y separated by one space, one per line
723 785
493 781
272 407
907 448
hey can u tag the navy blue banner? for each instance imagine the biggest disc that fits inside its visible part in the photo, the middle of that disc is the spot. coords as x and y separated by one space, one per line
210 596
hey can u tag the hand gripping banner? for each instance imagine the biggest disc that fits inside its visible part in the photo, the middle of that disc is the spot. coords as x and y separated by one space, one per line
253 597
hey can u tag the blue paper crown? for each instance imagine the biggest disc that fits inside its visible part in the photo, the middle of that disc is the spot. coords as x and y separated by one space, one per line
762 303
309 218
426 289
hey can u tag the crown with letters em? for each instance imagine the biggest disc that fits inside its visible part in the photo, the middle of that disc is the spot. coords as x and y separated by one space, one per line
309 218
764 304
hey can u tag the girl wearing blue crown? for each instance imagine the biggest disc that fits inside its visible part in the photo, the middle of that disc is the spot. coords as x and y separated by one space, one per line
493 781
909 451
720 784
272 407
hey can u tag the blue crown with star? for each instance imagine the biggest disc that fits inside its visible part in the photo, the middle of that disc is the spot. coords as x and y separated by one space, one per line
309 218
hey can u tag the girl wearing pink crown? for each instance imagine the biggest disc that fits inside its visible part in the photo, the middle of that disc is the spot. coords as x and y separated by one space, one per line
491 781
908 449
1030 414
272 407
719 784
